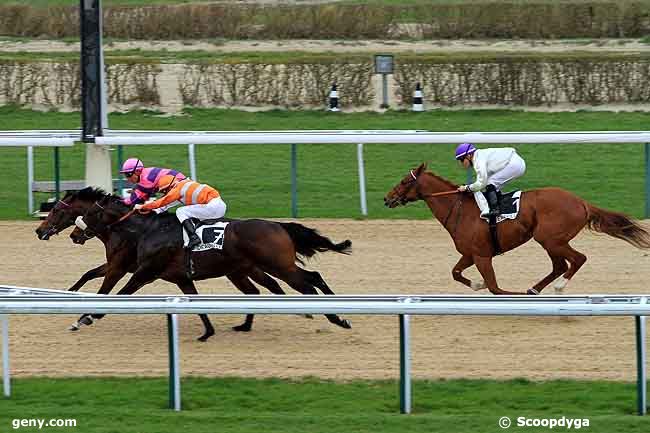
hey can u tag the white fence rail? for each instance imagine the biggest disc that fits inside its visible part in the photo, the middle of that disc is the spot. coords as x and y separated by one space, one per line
401 305
193 138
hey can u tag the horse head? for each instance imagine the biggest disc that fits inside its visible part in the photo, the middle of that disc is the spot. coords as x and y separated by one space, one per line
63 215
406 190
99 218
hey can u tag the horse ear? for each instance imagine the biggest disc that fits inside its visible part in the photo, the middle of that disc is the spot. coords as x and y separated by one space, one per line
421 168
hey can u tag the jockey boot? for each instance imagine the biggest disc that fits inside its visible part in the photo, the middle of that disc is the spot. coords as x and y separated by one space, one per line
191 233
492 196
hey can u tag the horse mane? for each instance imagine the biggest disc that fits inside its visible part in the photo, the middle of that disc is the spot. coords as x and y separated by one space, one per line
91 194
450 184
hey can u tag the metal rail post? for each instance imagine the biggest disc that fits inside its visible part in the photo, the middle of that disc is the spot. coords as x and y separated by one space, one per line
191 154
30 179
6 378
405 364
641 378
294 181
362 180
174 368
647 180
57 173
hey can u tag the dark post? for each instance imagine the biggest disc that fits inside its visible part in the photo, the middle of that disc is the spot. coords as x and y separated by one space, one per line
91 75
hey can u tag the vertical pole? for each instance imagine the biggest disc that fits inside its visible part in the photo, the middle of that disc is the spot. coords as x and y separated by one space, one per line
30 179
647 180
192 157
57 173
120 159
362 180
6 379
384 88
641 380
294 181
405 364
174 369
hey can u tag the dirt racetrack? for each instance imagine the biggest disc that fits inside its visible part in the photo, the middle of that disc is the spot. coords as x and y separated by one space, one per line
389 257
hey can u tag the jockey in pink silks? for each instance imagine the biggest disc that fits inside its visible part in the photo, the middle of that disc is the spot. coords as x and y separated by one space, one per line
145 179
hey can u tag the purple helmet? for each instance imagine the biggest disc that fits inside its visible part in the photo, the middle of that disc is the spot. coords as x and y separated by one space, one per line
464 149
132 165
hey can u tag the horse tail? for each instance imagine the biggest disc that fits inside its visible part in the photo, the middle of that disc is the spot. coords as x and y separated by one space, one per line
308 241
617 225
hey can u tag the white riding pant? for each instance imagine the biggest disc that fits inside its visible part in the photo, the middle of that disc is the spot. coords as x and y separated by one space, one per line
514 169
215 208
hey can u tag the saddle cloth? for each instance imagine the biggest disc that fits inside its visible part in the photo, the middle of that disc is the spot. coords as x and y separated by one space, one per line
509 205
211 233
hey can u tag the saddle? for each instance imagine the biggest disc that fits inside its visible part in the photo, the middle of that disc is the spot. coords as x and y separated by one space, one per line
508 205
212 235
509 209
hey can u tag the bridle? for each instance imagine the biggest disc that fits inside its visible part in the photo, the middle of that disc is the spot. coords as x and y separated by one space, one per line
88 234
54 228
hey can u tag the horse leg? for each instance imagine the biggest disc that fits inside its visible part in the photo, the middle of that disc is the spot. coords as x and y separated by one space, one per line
110 280
141 277
97 272
575 259
189 288
559 267
300 280
245 286
464 263
484 266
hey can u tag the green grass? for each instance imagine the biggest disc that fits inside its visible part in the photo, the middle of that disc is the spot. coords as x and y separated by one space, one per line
255 179
105 3
312 405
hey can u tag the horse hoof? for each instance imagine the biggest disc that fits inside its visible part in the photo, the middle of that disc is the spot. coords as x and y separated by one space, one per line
345 324
532 292
87 320
242 328
74 327
204 338
476 286
308 316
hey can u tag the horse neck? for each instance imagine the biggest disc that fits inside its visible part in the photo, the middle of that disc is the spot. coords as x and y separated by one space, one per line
441 206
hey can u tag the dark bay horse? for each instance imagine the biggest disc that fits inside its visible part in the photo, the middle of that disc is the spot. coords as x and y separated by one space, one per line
249 245
552 216
121 257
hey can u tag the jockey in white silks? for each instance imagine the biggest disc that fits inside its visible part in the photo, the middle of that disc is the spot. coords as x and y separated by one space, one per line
494 168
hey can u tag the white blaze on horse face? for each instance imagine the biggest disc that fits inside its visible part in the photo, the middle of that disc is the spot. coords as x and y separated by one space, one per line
79 222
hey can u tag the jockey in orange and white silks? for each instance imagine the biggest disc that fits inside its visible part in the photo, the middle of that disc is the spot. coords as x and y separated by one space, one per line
494 168
145 179
198 201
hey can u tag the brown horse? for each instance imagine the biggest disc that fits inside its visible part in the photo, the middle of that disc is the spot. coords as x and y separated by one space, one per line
552 216
121 258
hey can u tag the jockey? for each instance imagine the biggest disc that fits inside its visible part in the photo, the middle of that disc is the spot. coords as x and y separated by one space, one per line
200 201
145 179
494 168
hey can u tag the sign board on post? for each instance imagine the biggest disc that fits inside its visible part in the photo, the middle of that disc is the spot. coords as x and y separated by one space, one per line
384 66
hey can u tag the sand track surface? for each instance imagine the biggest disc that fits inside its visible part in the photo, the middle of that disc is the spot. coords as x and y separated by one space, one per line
389 257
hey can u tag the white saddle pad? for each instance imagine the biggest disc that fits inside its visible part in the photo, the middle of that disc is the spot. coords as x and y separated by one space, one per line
211 235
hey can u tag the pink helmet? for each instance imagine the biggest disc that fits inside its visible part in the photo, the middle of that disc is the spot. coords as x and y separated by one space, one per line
132 165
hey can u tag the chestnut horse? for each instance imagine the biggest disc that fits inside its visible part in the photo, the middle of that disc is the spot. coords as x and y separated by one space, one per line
552 216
